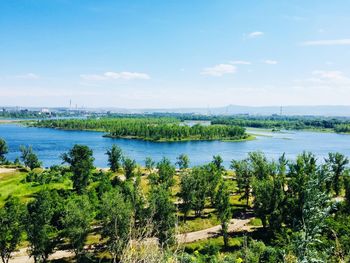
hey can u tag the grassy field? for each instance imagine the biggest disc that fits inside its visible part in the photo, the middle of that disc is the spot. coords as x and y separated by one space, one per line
13 183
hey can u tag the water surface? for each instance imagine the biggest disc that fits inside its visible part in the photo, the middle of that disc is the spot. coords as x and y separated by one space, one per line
49 144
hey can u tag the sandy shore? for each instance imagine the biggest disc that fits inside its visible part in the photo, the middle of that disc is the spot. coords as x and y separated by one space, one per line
8 121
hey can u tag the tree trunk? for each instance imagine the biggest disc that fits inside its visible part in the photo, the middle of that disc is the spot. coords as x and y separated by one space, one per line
224 234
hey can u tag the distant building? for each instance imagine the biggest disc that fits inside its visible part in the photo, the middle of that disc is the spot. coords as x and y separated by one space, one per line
45 110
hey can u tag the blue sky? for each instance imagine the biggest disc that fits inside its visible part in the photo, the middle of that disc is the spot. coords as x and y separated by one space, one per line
175 53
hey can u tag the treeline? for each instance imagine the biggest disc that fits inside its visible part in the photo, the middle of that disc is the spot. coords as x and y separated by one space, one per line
155 129
342 128
303 205
164 124
274 122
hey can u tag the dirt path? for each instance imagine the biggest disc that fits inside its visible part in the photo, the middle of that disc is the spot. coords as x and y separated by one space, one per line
234 226
22 256
7 170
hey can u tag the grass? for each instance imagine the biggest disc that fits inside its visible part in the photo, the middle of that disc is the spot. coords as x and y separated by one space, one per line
207 220
13 184
255 222
250 137
202 245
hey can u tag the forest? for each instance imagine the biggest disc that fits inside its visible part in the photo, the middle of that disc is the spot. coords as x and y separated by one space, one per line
170 126
256 210
154 129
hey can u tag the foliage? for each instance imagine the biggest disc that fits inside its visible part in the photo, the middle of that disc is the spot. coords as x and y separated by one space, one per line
29 158
301 222
217 161
115 156
116 214
11 227
155 129
129 166
3 150
165 175
223 209
163 215
46 177
337 163
78 215
183 161
244 177
80 160
149 164
41 234
315 210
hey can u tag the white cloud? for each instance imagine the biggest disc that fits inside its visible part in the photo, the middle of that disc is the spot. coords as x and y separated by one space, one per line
330 75
255 34
219 70
326 79
270 62
240 62
115 75
332 42
28 76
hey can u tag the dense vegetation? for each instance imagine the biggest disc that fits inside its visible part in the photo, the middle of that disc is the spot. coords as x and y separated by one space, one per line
155 129
172 126
299 211
255 121
281 122
342 128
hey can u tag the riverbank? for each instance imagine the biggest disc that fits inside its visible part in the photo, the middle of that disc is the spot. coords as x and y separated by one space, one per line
9 121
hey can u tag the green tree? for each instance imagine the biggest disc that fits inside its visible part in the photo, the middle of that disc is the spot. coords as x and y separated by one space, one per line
217 161
298 177
149 163
78 216
139 204
116 214
29 158
183 161
104 185
315 209
165 175
115 155
41 234
197 189
213 177
269 194
11 227
186 194
223 210
3 150
262 192
129 166
259 164
163 211
80 158
337 163
244 177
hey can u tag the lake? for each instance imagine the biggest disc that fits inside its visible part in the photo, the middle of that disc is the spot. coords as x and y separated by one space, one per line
49 144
